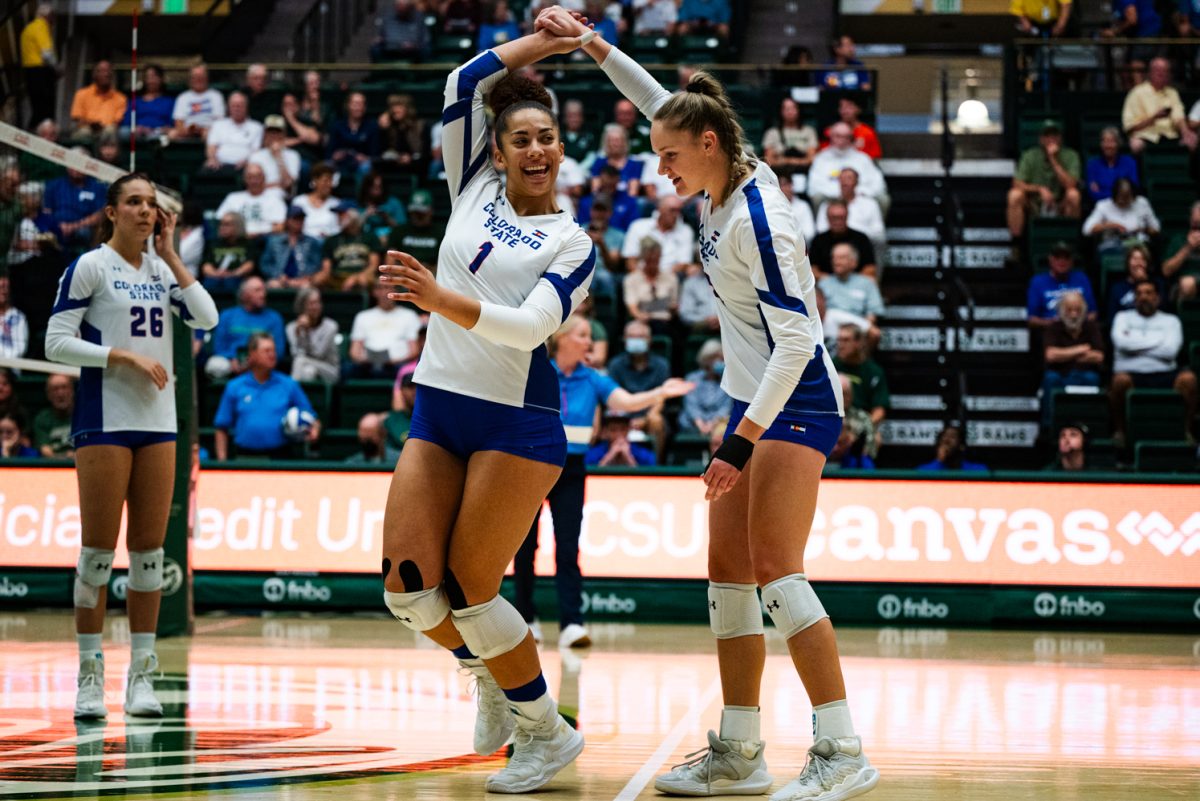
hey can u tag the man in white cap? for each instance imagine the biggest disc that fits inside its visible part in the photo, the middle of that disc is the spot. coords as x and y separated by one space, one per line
280 164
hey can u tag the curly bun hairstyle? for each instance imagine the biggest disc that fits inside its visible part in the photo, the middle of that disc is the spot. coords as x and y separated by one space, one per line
516 93
703 106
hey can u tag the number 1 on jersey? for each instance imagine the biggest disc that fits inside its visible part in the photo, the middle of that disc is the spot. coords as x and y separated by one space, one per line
477 262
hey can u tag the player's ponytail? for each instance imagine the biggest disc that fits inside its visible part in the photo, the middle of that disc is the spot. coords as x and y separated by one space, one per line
703 106
104 230
514 93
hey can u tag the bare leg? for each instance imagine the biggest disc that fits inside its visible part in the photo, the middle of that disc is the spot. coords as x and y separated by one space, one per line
103 472
150 491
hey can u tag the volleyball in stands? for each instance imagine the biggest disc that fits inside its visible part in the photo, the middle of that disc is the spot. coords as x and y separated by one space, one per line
297 423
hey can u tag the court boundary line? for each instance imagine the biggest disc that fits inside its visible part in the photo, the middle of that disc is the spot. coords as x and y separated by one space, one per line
638 782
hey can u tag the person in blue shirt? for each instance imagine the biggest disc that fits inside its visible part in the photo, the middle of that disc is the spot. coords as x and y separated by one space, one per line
236 326
835 75
76 203
1187 18
354 140
1046 288
583 391
702 16
706 406
500 29
254 404
615 155
950 453
155 110
12 438
1134 18
1105 169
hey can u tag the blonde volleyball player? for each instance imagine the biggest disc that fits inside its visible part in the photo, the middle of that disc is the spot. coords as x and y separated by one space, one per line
486 443
787 416
112 318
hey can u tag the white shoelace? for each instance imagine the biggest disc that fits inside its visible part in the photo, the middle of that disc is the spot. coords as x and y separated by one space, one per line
704 756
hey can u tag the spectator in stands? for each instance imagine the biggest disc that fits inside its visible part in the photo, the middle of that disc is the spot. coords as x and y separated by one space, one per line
402 34
155 110
52 425
1153 112
1104 170
381 212
76 203
10 404
10 203
950 453
373 445
1121 294
801 211
1146 343
707 405
820 251
404 142
639 370
499 28
350 259
841 154
230 257
1187 18
382 337
579 142
1183 260
191 236
232 139
833 319
597 355
259 101
1073 352
39 64
197 108
108 149
263 212
12 438
313 339
1071 455
458 16
229 340
291 258
254 404
14 328
1046 289
858 442
864 373
36 231
789 145
280 164
637 129
655 17
666 226
398 422
570 185
615 449
97 106
704 17
1122 218
1134 18
36 168
848 290
651 292
624 207
319 205
1042 16
300 133
608 242
863 213
616 155
697 304
1046 181
354 141
314 109
839 73
865 138
421 237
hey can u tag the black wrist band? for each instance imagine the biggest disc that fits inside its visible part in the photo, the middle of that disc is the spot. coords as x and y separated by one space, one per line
735 450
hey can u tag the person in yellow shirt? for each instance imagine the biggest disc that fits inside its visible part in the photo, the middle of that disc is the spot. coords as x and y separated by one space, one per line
1153 112
1043 15
97 106
39 64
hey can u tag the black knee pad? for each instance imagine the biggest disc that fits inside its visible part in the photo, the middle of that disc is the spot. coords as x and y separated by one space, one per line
454 591
410 574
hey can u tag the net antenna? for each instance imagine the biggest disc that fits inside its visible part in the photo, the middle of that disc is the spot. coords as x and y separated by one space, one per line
133 90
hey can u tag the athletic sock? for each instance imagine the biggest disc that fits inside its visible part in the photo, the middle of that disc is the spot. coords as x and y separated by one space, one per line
141 643
832 720
89 646
742 725
532 702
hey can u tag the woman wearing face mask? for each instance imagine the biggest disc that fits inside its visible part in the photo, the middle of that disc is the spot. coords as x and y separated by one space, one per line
707 405
584 391
787 415
486 443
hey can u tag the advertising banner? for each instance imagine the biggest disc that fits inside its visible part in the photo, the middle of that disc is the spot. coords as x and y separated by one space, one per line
1054 534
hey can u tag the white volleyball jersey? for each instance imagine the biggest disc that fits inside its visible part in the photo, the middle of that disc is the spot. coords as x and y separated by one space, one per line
104 302
755 259
537 264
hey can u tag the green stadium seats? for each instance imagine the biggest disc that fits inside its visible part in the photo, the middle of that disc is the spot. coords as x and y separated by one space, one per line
692 348
336 444
1091 409
1045 231
210 394
320 395
662 346
689 449
1153 414
342 306
1194 353
1155 456
210 188
359 396
31 392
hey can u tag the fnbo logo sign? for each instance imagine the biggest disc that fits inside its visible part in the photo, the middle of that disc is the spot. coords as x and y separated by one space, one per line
891 607
1046 604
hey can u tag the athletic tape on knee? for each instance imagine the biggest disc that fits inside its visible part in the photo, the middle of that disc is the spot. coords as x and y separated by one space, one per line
91 573
733 610
792 604
146 570
419 611
491 629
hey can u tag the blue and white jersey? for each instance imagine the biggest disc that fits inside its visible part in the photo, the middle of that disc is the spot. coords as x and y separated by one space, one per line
104 302
755 259
534 269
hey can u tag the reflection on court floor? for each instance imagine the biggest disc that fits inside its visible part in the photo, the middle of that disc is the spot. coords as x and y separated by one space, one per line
357 708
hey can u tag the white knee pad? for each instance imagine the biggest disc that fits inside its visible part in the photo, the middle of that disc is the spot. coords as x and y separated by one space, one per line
733 610
792 604
146 570
491 629
91 573
419 611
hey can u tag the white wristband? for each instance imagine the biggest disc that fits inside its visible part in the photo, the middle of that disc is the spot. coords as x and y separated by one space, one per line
587 37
